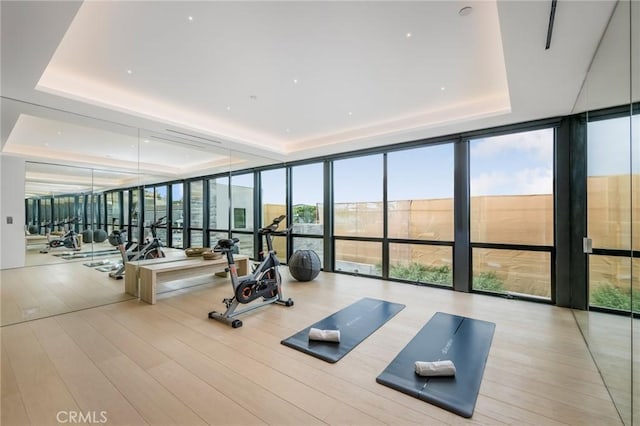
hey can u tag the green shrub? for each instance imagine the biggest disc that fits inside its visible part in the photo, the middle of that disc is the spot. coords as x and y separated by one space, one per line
488 281
422 273
609 296
304 213
485 281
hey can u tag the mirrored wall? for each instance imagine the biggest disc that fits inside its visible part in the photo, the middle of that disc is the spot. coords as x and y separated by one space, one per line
86 180
610 99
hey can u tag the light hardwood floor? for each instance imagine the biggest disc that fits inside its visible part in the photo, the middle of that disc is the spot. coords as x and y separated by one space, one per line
50 285
169 364
609 338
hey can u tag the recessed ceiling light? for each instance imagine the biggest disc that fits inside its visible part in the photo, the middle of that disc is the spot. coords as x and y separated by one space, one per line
190 18
408 35
287 130
59 132
146 141
295 81
228 108
129 72
442 88
349 113
465 11
46 144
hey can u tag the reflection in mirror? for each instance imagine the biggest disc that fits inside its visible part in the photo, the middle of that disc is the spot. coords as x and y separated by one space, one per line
68 215
87 180
55 204
635 190
613 212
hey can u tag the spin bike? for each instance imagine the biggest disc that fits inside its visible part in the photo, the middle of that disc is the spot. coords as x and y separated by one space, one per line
264 282
150 250
68 240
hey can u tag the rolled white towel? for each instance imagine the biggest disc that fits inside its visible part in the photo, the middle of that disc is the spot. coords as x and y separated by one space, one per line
435 368
324 335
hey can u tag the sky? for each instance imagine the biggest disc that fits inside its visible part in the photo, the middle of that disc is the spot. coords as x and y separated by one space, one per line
512 164
520 163
608 151
503 165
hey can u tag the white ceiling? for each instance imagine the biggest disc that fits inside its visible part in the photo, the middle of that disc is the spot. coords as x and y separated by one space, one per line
249 83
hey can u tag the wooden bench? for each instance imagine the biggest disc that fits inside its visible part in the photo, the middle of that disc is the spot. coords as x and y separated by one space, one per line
153 274
132 275
31 240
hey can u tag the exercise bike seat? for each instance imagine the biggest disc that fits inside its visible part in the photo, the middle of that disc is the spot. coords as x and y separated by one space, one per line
227 243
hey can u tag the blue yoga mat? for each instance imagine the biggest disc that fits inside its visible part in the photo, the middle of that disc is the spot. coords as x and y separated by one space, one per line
355 322
464 341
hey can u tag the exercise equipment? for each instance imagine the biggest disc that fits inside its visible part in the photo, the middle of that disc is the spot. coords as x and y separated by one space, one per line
463 341
356 322
151 249
88 254
304 265
68 240
99 235
265 282
87 236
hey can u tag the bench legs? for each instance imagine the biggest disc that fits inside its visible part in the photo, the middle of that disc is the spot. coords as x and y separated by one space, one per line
148 280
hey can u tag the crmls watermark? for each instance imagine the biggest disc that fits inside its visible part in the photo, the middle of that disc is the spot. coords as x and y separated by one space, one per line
81 417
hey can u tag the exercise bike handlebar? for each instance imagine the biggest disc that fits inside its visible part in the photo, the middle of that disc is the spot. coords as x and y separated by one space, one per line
271 229
158 222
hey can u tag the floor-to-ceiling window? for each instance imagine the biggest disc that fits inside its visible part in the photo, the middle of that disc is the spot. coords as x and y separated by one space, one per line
113 210
218 209
155 208
242 211
196 213
273 195
307 205
177 215
358 214
135 215
46 220
160 209
511 213
420 214
149 209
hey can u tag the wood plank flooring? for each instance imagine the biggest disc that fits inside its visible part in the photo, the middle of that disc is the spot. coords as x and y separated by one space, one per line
57 286
168 364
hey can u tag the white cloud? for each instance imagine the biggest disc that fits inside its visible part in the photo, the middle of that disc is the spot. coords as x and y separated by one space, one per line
538 144
488 183
534 181
525 181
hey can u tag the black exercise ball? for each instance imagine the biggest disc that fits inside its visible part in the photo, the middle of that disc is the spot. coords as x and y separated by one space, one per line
117 237
304 265
99 235
33 229
87 236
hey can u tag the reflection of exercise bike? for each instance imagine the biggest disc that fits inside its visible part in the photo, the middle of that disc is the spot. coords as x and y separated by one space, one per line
68 240
264 282
151 249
